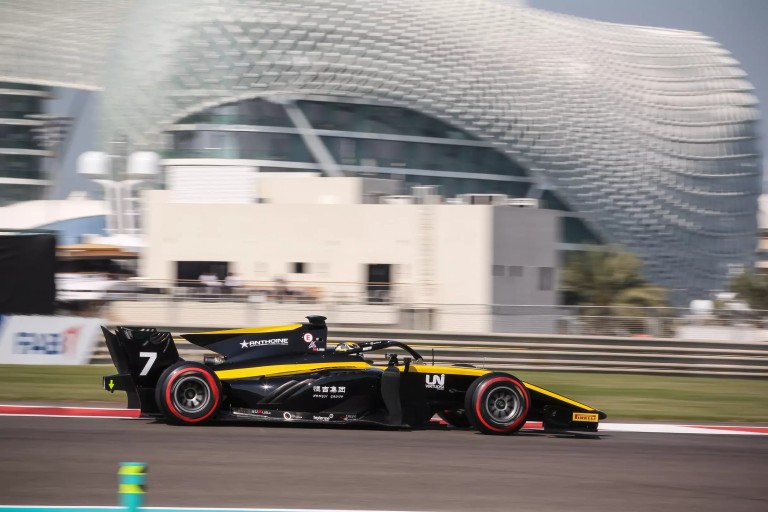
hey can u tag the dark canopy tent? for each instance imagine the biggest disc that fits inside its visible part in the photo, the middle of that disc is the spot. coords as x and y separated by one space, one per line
27 267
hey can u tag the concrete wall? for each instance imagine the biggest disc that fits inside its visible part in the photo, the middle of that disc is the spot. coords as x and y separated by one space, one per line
441 255
524 263
220 184
205 315
262 240
298 188
462 262
282 188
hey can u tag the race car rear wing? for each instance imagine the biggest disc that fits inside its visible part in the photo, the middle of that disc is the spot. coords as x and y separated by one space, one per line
140 356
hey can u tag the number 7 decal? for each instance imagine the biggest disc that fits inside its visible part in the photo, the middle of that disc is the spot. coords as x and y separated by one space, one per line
152 358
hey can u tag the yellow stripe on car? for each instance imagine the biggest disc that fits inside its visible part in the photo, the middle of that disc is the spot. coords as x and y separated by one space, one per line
288 369
255 330
558 397
447 370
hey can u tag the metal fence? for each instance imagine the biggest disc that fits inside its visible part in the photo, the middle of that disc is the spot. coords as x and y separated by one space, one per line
659 341
190 304
649 356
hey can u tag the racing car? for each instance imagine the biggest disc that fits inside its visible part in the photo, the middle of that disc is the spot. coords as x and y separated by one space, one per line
288 374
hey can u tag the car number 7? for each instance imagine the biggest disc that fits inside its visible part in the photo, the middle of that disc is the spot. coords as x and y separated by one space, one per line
152 357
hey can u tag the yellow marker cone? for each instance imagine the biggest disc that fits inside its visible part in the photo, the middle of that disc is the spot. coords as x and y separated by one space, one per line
131 484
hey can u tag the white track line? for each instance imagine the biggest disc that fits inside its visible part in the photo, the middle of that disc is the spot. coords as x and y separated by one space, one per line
642 428
185 509
648 428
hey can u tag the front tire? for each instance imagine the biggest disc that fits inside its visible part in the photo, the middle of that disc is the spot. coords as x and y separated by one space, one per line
188 394
497 403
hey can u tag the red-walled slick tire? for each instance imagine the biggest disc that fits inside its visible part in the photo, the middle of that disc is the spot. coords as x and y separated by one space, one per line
497 403
188 394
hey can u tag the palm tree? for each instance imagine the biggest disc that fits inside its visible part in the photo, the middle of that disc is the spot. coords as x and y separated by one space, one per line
751 288
609 283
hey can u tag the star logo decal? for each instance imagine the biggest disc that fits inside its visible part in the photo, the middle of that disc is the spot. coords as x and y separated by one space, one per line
244 344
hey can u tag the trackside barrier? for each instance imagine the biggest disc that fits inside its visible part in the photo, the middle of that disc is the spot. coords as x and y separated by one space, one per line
131 490
650 356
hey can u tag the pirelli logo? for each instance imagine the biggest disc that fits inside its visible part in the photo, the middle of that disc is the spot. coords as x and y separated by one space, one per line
585 416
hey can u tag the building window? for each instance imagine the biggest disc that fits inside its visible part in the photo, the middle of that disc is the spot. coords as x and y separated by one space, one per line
379 282
498 270
190 273
347 151
299 267
546 278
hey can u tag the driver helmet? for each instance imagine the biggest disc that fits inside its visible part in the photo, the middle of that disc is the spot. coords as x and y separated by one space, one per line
345 347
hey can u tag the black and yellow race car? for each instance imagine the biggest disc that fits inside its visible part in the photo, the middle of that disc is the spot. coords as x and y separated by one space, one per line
286 373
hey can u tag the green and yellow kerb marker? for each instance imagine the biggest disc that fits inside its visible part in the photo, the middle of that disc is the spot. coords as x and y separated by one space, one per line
131 484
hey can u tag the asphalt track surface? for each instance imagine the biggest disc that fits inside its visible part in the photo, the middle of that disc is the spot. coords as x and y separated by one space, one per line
73 461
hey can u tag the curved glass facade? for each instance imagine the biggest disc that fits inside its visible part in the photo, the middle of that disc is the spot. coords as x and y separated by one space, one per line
648 135
22 177
360 138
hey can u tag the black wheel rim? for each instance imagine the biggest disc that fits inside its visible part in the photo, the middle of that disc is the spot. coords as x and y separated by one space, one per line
191 394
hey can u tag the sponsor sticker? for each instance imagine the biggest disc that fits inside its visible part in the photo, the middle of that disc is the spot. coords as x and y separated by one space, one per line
329 391
262 343
308 338
324 417
253 412
435 382
585 416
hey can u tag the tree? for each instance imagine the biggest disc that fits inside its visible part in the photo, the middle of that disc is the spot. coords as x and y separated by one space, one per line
609 283
751 288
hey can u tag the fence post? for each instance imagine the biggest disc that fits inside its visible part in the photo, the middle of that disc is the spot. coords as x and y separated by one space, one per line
131 485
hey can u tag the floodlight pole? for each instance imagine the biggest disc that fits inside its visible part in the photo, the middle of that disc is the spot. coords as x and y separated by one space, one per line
119 192
114 223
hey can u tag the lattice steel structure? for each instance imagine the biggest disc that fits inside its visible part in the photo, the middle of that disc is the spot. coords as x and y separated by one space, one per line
648 135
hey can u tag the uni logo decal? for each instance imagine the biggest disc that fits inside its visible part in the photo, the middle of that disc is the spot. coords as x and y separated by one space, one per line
435 381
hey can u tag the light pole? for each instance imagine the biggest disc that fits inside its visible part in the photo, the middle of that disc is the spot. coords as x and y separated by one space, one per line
122 222
142 166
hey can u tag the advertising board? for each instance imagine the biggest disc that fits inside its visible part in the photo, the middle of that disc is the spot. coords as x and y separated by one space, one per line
48 339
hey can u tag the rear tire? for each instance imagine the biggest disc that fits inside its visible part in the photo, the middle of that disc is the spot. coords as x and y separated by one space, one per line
188 394
497 403
455 418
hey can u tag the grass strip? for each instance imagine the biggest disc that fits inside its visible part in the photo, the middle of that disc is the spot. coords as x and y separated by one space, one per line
49 383
621 396
653 397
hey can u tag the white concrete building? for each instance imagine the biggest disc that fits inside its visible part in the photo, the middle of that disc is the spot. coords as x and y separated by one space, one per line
356 241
